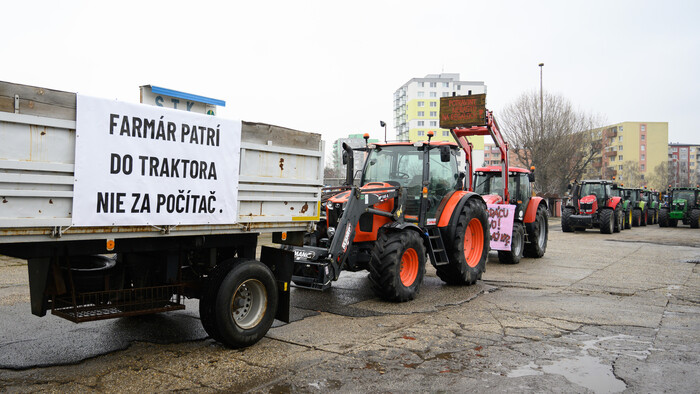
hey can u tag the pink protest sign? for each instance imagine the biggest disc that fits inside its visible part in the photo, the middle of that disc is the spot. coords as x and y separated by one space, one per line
501 218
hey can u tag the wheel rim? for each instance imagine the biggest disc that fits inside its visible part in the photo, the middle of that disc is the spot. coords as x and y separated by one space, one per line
409 267
541 234
517 243
473 243
249 304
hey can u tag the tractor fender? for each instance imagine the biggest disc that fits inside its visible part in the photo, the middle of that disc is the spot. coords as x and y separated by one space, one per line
613 202
531 210
453 205
401 226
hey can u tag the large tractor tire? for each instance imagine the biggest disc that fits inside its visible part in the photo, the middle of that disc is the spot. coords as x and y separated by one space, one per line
695 218
565 222
517 245
398 265
607 221
628 220
644 218
537 234
652 216
636 217
239 302
663 217
468 251
619 225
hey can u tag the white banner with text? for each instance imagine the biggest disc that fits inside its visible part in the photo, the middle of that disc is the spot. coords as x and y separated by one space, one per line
142 165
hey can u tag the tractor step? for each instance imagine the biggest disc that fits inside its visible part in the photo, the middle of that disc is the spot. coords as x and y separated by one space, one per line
438 254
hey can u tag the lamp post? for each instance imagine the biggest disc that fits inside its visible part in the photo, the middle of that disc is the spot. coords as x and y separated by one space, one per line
383 124
541 103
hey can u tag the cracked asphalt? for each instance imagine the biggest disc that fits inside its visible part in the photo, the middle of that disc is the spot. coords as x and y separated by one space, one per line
598 313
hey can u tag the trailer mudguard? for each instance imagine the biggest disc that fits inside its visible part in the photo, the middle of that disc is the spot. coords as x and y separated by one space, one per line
531 210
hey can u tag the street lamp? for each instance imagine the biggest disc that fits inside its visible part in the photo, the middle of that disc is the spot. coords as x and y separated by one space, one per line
541 103
383 124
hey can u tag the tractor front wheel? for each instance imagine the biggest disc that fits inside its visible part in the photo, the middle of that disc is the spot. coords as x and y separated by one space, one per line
398 265
565 221
618 220
607 221
468 251
636 217
695 218
517 242
663 217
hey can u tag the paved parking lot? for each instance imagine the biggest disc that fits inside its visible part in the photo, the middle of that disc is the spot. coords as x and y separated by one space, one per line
598 313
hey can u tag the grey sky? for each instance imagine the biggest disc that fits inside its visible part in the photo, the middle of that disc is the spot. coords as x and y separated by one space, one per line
331 67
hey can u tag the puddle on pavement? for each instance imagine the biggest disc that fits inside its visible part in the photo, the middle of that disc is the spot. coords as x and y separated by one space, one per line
583 369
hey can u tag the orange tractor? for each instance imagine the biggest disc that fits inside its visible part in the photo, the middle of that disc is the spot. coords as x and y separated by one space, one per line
411 204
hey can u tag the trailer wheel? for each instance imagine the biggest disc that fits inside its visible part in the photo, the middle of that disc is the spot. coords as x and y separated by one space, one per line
398 265
663 217
537 232
565 225
695 218
468 251
517 242
239 309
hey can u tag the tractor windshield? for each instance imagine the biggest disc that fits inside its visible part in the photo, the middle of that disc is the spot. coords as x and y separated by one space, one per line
492 183
596 189
687 195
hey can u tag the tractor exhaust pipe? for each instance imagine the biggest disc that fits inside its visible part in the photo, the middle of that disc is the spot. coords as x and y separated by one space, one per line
349 161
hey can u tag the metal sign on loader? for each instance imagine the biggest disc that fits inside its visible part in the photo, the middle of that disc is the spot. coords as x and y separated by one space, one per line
463 111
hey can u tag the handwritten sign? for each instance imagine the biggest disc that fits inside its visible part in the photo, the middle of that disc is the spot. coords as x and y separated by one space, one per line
501 217
143 165
463 111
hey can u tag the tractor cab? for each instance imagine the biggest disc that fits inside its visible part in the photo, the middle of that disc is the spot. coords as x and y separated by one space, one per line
488 182
592 195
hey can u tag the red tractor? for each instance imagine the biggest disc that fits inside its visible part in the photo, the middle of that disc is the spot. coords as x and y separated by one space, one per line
411 204
527 215
593 204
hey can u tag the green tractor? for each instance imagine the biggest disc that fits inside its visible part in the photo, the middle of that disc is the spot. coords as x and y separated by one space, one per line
653 203
683 204
618 191
639 207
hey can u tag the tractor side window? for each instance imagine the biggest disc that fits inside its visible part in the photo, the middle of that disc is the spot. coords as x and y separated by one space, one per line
443 176
524 190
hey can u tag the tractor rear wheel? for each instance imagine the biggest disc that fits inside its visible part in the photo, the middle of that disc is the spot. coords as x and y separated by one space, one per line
468 251
398 265
565 222
517 242
636 217
695 218
628 220
607 221
644 217
537 233
663 217
651 215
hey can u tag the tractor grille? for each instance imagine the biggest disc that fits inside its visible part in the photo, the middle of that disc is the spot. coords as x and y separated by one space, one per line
334 214
587 207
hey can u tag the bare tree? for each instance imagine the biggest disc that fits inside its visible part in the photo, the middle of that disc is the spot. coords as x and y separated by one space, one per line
560 147
660 178
630 174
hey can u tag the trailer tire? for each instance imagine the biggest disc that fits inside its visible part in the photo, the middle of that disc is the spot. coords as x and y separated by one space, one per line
695 218
398 265
207 299
517 244
245 302
469 249
537 233
607 221
565 225
663 217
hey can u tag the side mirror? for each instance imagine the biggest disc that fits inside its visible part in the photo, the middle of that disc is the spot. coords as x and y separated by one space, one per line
445 154
531 177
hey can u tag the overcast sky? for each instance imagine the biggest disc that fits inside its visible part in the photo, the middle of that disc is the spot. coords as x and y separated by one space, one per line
332 67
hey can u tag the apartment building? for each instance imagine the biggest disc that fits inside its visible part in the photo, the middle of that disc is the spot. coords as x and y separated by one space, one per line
684 164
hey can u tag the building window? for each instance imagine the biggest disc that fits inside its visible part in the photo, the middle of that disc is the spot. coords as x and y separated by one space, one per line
421 113
421 133
643 137
421 94
433 103
642 158
620 129
643 147
446 84
433 94
422 123
643 127
619 139
612 158
421 103
433 123
619 168
486 155
619 158
641 167
433 84
619 147
459 87
642 175
445 94
433 113
445 133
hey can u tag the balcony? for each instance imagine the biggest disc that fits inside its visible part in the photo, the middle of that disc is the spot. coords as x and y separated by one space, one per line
611 132
609 153
597 164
